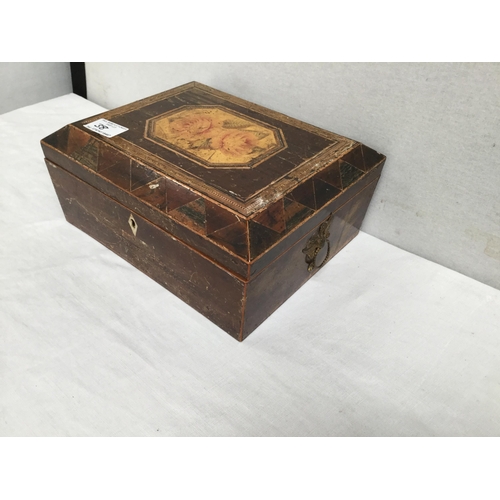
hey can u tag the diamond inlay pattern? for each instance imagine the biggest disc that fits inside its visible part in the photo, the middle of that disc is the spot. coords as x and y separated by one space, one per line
246 238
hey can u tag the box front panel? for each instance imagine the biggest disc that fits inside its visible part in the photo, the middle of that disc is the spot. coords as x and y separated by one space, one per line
204 225
199 282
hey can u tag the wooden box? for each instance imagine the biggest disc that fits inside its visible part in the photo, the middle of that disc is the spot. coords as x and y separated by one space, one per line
229 205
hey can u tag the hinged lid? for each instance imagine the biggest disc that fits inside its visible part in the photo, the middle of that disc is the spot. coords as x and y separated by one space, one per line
238 174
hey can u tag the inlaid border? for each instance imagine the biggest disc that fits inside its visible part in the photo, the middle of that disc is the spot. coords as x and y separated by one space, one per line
258 200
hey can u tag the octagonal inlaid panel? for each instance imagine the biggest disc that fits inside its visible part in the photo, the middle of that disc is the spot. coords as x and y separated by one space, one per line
216 137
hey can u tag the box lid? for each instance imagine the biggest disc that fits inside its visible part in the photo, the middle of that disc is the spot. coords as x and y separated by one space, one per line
238 174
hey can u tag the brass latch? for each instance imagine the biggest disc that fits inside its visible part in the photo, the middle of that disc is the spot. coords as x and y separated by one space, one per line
315 243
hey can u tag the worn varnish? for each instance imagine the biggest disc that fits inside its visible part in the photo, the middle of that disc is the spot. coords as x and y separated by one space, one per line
214 197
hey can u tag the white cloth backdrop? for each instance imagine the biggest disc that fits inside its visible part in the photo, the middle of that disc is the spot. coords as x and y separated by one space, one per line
379 343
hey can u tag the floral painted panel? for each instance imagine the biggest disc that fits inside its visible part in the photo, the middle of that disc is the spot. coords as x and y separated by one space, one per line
220 138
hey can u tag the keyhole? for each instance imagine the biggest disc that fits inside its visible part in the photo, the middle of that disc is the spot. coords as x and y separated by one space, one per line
132 224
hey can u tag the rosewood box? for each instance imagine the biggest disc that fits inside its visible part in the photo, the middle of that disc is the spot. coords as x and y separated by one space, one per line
229 205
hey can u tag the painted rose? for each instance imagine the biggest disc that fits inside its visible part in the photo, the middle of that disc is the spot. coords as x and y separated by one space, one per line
193 126
234 142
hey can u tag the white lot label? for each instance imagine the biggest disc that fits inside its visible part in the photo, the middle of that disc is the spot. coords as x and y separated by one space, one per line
106 128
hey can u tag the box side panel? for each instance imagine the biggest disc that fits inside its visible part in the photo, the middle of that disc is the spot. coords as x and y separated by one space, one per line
265 236
283 277
335 183
205 286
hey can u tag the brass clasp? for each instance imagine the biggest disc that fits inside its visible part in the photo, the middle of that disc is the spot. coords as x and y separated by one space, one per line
315 243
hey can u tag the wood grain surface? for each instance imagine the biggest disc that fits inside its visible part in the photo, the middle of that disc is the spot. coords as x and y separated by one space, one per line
214 197
236 305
